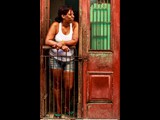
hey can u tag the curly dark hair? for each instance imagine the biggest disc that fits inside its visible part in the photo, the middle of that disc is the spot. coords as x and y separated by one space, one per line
63 10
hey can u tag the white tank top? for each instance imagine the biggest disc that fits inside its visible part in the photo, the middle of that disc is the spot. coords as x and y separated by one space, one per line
60 54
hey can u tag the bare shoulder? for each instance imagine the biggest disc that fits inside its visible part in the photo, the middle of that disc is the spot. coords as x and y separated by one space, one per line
75 24
55 24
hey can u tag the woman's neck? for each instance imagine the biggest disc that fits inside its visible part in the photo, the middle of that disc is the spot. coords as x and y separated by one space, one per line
65 24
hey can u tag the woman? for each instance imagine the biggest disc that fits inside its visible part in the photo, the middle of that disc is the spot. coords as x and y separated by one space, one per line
62 34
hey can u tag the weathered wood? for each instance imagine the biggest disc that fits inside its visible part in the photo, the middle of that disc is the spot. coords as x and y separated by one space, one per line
116 56
101 69
44 26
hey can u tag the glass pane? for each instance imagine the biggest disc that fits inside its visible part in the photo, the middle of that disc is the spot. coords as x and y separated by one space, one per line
100 24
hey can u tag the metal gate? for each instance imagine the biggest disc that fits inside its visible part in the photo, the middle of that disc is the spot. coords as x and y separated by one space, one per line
49 98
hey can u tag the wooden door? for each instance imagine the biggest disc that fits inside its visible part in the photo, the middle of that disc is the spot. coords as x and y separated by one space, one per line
101 58
44 26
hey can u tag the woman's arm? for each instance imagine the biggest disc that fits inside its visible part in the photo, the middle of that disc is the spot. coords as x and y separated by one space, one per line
51 34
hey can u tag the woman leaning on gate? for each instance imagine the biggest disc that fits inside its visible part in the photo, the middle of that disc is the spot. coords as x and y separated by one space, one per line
62 34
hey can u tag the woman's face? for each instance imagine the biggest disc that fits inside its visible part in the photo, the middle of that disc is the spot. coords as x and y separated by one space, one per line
69 16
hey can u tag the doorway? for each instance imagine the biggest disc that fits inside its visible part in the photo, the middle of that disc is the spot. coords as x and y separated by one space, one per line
49 105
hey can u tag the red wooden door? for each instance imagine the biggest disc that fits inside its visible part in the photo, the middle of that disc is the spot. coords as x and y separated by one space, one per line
101 67
44 26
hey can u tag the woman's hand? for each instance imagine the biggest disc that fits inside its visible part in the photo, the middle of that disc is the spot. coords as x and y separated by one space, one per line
54 46
57 45
65 48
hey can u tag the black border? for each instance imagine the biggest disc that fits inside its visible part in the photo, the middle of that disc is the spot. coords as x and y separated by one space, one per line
139 60
20 80
21 61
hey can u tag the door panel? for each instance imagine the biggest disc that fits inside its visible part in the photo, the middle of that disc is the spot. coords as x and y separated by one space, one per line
100 61
100 110
99 87
101 69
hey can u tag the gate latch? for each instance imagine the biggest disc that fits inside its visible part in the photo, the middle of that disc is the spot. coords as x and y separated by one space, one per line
82 58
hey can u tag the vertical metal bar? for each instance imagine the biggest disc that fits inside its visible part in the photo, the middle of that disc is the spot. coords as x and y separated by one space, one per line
69 86
76 54
61 88
56 88
65 91
74 97
45 84
49 89
52 85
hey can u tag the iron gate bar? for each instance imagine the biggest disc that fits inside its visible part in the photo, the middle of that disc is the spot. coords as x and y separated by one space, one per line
77 58
51 84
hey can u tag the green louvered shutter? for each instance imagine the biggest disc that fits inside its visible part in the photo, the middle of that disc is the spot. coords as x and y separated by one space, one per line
100 26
